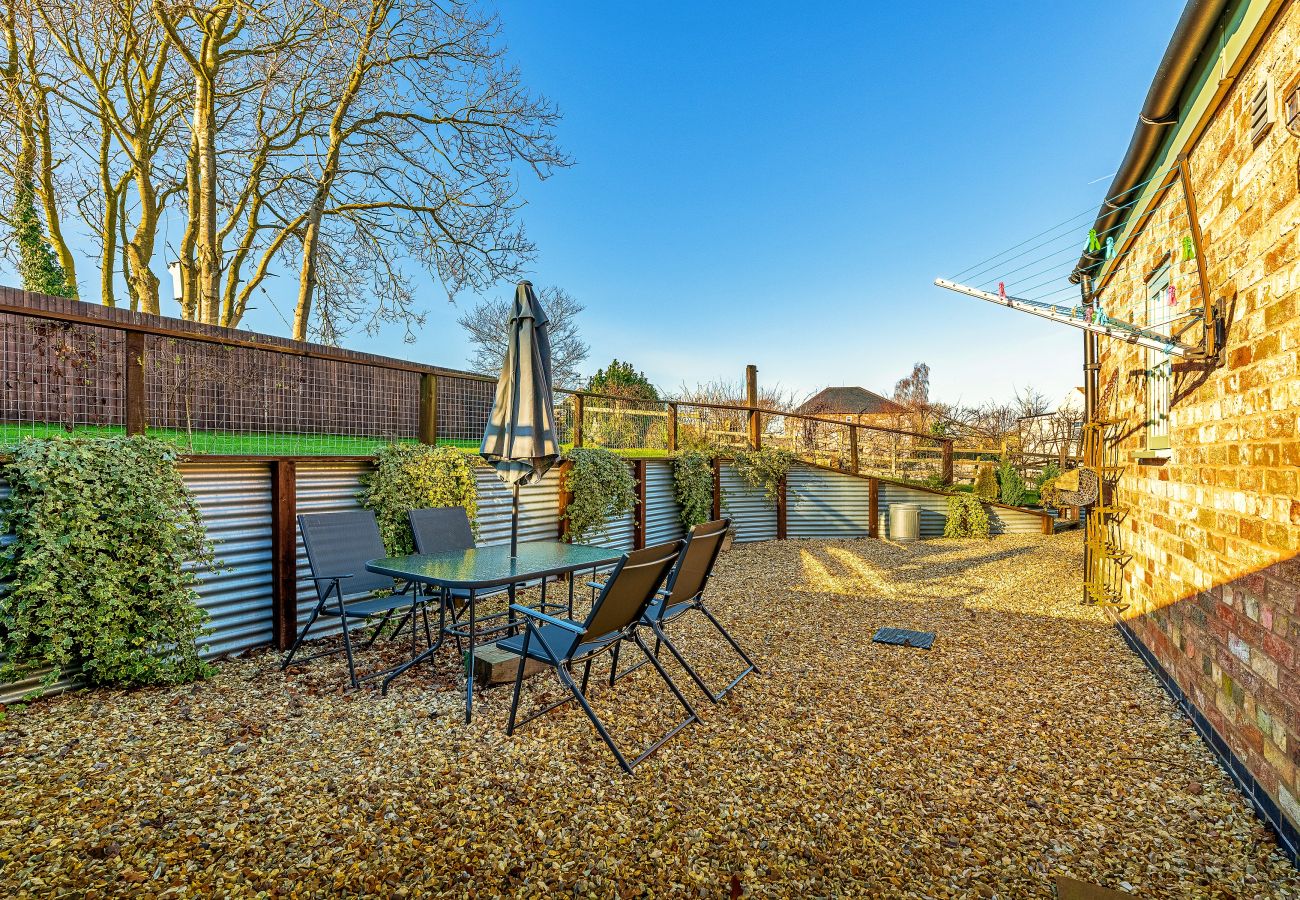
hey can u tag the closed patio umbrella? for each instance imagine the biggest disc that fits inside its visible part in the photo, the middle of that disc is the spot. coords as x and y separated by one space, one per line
520 440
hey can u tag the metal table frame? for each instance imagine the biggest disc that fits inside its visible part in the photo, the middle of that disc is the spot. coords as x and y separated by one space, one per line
481 569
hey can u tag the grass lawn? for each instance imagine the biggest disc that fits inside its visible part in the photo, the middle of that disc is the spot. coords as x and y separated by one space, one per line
230 443
1029 743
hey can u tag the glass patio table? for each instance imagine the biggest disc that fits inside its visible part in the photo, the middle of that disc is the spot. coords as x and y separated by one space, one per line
481 569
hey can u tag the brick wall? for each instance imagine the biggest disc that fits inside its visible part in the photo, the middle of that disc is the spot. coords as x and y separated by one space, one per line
1214 529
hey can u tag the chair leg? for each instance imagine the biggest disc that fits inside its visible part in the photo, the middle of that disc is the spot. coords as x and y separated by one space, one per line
519 680
613 663
569 683
661 637
379 630
586 675
297 642
347 646
663 673
730 640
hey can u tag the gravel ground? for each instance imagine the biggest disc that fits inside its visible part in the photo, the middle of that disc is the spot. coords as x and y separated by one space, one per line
1028 743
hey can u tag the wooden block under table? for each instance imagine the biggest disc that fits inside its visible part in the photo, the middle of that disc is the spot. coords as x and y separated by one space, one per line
495 666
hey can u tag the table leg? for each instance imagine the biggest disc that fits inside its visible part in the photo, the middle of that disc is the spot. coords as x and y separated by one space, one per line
573 576
469 664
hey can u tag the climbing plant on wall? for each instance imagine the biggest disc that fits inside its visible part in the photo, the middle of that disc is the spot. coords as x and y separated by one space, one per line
417 476
764 469
693 485
967 517
602 488
107 543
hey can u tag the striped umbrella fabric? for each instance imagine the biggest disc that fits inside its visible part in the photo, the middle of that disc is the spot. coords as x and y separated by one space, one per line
520 441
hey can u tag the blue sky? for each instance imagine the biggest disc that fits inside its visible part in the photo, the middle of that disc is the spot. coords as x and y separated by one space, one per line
779 184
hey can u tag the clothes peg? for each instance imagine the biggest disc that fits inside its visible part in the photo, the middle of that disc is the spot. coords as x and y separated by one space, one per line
1189 249
1093 244
1173 298
1110 248
1002 290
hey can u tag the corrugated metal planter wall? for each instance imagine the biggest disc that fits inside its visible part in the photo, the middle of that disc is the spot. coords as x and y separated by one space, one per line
821 504
663 514
236 504
753 516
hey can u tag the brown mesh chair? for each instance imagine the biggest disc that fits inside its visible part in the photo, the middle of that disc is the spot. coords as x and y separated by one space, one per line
338 547
683 593
614 618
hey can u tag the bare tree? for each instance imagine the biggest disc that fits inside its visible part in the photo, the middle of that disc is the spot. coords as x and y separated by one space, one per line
486 325
120 88
26 154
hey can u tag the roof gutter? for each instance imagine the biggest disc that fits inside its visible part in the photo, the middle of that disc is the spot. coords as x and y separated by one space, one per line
1195 28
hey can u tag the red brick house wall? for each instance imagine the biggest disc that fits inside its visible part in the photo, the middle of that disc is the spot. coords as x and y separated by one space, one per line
1213 585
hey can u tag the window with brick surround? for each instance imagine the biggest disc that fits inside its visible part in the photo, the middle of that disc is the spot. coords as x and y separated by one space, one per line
1159 374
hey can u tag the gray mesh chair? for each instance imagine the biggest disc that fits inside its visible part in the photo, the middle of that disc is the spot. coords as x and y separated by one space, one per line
684 593
441 529
338 547
614 618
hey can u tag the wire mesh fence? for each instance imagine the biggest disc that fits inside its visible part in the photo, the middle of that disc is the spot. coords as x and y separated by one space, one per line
59 376
69 366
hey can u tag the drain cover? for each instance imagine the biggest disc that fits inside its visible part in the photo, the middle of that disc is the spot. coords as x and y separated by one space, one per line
902 637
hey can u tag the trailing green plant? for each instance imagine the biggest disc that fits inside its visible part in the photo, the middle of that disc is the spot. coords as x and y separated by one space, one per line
935 481
601 486
417 476
986 482
693 485
967 517
764 469
1011 487
107 545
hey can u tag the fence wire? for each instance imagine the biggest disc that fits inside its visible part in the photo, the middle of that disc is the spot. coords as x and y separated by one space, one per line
59 377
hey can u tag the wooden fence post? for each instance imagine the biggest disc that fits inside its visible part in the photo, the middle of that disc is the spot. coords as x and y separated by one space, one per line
672 428
284 553
638 511
853 448
136 402
717 488
781 511
428 427
947 461
566 496
751 400
873 507
577 420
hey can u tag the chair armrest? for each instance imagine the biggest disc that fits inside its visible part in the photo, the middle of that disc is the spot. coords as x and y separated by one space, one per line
550 620
331 577
596 584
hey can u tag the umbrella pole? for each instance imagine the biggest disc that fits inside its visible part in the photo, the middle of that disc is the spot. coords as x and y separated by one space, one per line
514 522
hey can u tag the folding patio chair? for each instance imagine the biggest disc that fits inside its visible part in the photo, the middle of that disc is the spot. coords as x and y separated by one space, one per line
338 547
440 529
683 593
614 618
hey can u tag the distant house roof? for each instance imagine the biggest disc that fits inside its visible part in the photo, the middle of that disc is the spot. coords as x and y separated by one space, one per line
848 401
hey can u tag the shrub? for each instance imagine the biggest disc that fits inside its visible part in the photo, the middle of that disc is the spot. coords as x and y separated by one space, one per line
693 486
1010 485
1049 473
602 487
764 469
417 476
986 482
1049 494
102 566
967 517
